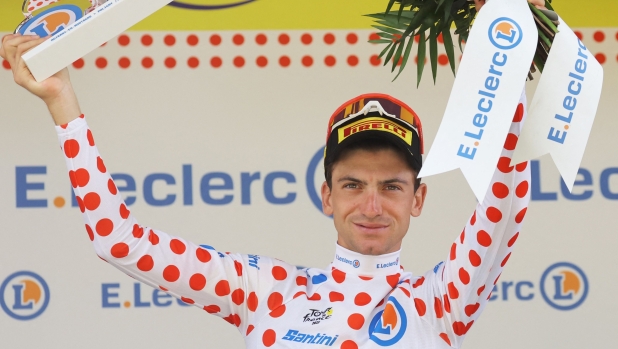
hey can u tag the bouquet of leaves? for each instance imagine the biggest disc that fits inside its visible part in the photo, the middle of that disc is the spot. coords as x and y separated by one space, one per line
427 19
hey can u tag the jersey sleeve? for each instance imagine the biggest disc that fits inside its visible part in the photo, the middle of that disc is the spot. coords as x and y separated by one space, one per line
228 285
458 289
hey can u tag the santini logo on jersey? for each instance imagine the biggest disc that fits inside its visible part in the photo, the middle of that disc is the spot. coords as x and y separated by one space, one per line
323 339
389 264
378 124
316 316
355 263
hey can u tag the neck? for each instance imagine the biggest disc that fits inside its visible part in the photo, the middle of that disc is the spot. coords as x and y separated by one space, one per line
356 263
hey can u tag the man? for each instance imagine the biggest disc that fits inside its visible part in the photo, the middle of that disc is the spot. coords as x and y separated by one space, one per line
364 299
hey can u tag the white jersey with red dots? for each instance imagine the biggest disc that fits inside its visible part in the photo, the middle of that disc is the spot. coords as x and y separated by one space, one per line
358 301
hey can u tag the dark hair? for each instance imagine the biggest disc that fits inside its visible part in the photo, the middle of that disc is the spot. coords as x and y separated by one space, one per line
371 145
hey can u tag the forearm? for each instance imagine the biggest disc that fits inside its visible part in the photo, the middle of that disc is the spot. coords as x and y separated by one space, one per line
64 107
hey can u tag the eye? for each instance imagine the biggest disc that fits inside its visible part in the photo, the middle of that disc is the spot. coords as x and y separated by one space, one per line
392 187
351 185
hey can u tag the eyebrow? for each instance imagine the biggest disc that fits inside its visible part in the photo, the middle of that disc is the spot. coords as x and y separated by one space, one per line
388 181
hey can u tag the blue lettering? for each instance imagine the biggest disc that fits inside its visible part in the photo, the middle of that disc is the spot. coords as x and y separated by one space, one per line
206 187
554 135
558 295
22 186
137 296
106 295
187 185
466 154
157 295
18 304
269 190
587 180
290 335
518 291
489 105
605 190
494 293
572 91
148 192
246 179
505 289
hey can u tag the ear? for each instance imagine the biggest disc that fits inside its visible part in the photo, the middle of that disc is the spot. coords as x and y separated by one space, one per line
327 206
419 200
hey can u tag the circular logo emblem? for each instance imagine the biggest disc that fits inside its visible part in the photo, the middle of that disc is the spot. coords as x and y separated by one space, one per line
564 286
24 295
356 263
505 33
52 20
389 325
208 5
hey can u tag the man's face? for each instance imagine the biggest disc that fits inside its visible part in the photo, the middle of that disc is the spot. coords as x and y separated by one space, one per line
371 200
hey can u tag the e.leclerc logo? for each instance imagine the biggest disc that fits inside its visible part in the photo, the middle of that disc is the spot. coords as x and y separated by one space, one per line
564 286
208 5
505 33
389 325
52 21
24 295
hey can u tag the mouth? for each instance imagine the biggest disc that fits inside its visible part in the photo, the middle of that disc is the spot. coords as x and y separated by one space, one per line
371 228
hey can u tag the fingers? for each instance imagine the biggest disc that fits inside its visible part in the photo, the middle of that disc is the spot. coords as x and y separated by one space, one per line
27 46
11 43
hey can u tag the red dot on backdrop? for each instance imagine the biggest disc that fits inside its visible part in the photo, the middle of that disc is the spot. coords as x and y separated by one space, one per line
440 38
600 57
261 39
101 62
284 61
146 40
443 59
170 62
352 60
400 61
579 35
306 39
375 60
374 36
599 36
238 39
147 62
193 40
351 38
124 40
307 61
78 64
284 39
215 39
330 61
239 61
261 61
193 62
169 40
216 62
329 38
417 38
124 62
6 64
616 36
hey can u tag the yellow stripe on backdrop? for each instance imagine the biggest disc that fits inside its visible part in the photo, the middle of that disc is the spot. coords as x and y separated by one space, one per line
297 14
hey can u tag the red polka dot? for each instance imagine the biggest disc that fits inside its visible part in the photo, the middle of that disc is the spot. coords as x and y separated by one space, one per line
215 39
419 282
124 211
511 142
301 281
284 61
202 255
351 38
170 62
513 239
153 238
120 250
444 336
238 39
212 309
521 166
421 308
138 231
274 300
279 273
474 257
101 62
374 36
349 344
90 232
269 337
222 288
375 60
330 61
616 36
78 64
249 329
599 36
187 300
460 329
393 280
442 59
71 148
447 304
365 278
104 227
90 138
464 277
193 62
480 290
306 39
124 62
356 321
453 293
520 216
315 297
522 189
177 246
519 113
147 62
483 238
284 39
146 263
329 38
252 301
307 61
101 165
238 296
233 319
261 61
506 259
298 294
473 218
82 177
437 307
352 60
215 62
277 312
171 273
600 58
261 39
494 214
146 40
193 40
169 40
239 61
336 296
500 190
6 64
80 203
362 299
579 35
124 40
453 254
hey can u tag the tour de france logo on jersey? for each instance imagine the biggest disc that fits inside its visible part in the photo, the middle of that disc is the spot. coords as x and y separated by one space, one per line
52 20
389 325
208 4
564 286
505 33
24 295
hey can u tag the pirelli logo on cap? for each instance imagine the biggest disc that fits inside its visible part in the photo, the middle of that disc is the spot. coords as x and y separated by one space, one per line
377 124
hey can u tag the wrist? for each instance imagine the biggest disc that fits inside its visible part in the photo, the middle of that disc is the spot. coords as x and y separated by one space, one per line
64 107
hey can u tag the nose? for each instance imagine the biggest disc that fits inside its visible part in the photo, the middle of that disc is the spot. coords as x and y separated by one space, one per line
371 205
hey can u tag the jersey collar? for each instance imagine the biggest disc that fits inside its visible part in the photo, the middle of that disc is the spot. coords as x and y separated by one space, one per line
356 263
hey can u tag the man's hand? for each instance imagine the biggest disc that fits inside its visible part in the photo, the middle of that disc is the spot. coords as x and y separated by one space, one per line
56 91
